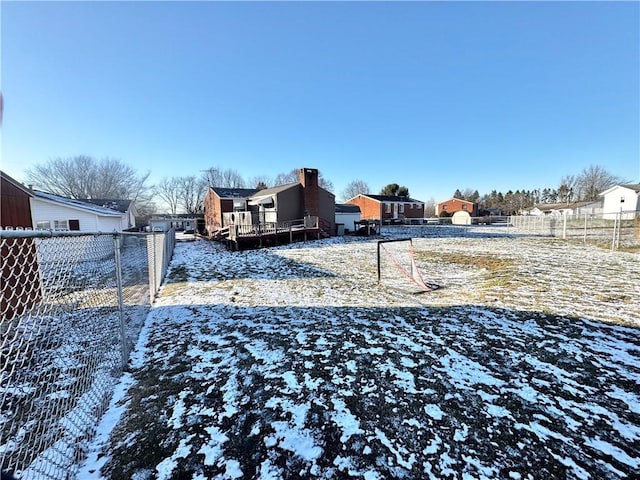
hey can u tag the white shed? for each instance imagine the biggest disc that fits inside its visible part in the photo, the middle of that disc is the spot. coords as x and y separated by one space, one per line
461 218
347 215
53 212
621 198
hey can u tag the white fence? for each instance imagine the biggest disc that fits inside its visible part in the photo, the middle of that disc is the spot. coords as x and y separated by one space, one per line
616 230
72 307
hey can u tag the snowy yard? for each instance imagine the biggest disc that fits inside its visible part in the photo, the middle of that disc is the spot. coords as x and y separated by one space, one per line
292 362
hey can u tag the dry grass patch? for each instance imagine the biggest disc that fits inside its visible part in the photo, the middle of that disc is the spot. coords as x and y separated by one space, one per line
492 263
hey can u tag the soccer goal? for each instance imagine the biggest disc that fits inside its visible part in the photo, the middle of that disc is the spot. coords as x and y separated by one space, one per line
397 267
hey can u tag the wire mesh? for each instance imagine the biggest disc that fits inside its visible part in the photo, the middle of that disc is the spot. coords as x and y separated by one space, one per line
69 319
618 229
397 268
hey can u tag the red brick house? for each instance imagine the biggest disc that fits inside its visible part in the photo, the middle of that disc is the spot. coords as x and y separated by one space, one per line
388 208
284 203
453 205
219 201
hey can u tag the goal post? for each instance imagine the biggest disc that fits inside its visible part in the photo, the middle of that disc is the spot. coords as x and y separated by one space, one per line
396 266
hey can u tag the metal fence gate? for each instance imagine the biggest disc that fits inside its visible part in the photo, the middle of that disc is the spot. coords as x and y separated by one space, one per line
72 307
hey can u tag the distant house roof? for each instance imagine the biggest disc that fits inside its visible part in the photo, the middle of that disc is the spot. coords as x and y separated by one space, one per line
176 216
457 200
561 206
273 190
391 198
347 208
113 204
224 192
77 204
631 186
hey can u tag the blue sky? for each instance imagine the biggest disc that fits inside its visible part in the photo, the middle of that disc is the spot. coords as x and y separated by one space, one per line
431 95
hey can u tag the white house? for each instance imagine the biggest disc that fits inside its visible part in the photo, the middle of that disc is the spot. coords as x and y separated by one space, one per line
346 217
126 207
53 212
621 199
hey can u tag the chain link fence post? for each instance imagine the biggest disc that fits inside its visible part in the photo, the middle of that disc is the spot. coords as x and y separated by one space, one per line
123 330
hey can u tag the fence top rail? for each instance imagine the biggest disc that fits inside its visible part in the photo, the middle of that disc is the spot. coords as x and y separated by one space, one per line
50 233
67 233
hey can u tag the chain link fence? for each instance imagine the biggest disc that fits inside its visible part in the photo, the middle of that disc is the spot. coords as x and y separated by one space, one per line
73 305
615 230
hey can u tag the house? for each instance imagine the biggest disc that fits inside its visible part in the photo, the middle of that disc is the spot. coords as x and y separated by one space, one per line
300 201
219 201
564 208
621 201
53 212
346 218
126 207
179 221
389 208
15 204
453 205
20 286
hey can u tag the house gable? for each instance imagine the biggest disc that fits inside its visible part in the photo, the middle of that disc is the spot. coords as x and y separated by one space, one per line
621 200
456 205
53 212
15 208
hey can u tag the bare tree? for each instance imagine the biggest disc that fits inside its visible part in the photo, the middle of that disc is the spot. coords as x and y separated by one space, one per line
285 178
594 180
430 208
567 190
229 178
355 187
192 192
169 190
260 182
83 176
294 176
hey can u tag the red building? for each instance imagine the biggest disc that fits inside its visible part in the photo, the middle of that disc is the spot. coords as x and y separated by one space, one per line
453 205
388 208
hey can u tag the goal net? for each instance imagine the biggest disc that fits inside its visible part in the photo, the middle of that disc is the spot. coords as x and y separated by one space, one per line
397 267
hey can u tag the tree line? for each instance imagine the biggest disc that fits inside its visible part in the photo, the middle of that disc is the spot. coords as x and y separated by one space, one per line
85 177
584 187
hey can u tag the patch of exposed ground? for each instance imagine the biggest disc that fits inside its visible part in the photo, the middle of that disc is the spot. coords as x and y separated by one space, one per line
294 363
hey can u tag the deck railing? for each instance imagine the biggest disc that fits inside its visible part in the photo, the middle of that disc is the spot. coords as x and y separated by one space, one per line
272 228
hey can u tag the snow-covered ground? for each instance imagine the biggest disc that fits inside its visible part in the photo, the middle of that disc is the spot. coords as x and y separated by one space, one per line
293 362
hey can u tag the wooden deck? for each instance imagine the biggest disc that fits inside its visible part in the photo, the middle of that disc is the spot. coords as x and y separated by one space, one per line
243 237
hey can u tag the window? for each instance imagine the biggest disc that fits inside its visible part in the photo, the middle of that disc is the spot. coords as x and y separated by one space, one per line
387 208
74 225
445 207
60 225
464 206
402 208
43 225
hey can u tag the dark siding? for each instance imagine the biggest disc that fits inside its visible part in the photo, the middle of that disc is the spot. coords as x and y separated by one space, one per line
20 282
15 208
327 204
290 204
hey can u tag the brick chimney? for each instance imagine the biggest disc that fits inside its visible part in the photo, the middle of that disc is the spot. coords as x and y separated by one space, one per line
309 181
